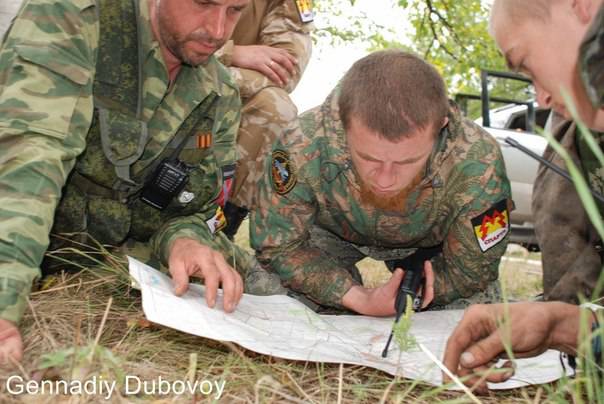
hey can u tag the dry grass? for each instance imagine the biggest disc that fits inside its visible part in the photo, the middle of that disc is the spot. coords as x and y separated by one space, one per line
69 313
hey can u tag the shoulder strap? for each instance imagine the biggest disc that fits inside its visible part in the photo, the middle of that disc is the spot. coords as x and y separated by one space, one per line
118 69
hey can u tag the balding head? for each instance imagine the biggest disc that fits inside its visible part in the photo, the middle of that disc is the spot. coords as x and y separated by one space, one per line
542 38
521 10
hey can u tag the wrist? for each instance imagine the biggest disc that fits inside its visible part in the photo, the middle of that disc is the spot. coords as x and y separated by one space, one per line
566 327
595 330
355 299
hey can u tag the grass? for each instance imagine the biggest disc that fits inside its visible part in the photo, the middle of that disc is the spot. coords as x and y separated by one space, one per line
91 324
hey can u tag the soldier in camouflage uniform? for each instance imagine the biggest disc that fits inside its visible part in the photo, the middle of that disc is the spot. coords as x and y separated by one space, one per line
575 268
386 166
570 61
266 56
559 44
100 130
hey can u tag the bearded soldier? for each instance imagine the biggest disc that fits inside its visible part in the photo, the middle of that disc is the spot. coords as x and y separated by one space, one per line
384 168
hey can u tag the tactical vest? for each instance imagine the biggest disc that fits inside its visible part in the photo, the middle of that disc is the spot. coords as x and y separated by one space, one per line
101 196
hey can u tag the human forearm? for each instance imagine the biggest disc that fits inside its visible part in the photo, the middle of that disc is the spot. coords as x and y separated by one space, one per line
454 278
34 171
307 270
282 28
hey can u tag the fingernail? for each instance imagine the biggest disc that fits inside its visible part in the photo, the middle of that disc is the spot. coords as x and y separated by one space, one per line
508 374
467 358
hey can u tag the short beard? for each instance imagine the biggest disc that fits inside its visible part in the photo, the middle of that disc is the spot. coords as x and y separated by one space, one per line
176 44
393 203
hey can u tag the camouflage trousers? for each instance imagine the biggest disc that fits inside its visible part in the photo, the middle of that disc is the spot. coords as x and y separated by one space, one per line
264 116
348 254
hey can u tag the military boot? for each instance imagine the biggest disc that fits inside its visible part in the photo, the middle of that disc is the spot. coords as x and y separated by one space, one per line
234 216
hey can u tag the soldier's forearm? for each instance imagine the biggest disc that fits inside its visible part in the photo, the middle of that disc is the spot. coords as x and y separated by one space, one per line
192 227
308 271
452 282
15 285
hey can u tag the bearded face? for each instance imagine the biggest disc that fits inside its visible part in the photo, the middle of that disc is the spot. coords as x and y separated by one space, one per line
389 203
191 31
193 48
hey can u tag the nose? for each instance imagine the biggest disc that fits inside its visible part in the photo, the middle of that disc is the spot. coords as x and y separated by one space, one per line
385 177
216 24
544 98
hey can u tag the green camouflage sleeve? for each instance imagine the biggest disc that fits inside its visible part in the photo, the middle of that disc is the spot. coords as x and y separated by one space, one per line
281 28
477 236
46 67
226 125
279 227
591 60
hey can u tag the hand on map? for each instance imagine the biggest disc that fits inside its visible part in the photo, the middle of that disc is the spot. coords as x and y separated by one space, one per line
380 301
275 63
190 258
527 329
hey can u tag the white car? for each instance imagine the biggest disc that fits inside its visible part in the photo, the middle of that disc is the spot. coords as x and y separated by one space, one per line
521 168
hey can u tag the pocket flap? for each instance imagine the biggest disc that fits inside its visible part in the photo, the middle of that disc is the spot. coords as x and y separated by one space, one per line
57 60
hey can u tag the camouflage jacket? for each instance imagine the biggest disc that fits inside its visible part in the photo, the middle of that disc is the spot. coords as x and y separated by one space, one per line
462 202
48 64
274 23
566 237
591 65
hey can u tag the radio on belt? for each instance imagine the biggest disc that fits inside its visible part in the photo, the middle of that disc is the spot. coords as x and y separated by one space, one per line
168 179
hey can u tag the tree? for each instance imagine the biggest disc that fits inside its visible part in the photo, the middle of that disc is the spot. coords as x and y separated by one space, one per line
453 36
450 34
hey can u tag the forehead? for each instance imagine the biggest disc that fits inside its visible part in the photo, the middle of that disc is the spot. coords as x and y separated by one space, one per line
368 142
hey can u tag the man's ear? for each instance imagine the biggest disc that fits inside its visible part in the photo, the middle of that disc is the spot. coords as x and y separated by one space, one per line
445 122
585 10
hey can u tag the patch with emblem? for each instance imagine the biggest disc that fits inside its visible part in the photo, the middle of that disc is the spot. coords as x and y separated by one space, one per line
305 10
186 197
283 172
217 222
491 227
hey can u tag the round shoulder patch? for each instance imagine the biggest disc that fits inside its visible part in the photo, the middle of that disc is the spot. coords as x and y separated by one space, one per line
283 172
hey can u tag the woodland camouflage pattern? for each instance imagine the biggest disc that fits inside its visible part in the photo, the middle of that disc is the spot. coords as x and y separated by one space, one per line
267 108
465 177
48 67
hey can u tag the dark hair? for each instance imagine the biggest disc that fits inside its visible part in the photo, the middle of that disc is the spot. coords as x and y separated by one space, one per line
394 93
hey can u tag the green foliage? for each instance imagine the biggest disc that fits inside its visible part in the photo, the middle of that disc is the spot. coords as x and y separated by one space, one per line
81 363
405 340
343 23
452 35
